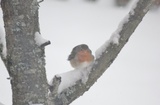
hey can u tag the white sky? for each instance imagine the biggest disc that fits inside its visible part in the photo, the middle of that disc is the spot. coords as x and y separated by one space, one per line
133 78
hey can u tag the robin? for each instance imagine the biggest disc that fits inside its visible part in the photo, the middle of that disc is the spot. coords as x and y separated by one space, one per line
81 56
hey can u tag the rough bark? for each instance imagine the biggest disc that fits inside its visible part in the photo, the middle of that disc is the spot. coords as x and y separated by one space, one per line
25 60
107 57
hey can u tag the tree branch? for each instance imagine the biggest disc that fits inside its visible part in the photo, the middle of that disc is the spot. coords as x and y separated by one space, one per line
107 53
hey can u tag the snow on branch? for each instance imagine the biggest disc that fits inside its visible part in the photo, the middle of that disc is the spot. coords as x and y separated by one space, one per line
70 78
40 41
72 85
114 39
3 49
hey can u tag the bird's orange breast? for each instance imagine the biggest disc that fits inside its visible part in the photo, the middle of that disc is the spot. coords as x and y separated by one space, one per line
85 56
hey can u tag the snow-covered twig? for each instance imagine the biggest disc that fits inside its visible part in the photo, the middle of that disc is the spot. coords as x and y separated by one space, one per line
69 79
40 1
106 54
54 84
40 41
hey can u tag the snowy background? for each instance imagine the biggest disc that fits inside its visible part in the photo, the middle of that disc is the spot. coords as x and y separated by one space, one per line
132 79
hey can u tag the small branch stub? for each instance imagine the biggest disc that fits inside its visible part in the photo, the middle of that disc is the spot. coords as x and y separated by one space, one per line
54 85
45 44
40 41
40 1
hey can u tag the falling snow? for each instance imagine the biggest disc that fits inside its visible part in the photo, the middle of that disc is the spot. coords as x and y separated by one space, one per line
76 21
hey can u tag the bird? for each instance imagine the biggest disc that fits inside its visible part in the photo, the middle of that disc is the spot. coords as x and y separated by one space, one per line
81 56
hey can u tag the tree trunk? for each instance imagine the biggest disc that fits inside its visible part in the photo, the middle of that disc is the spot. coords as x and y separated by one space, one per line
25 60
